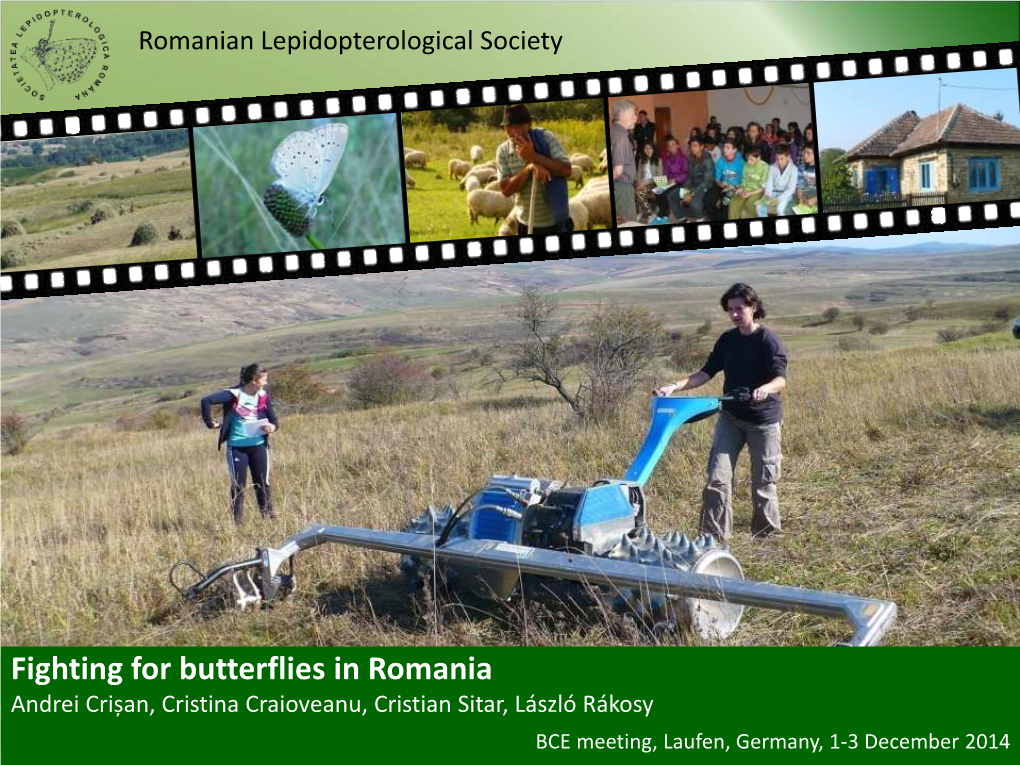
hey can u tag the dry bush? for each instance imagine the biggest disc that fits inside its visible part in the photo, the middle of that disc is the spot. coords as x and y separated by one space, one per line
950 334
389 379
595 370
295 390
15 432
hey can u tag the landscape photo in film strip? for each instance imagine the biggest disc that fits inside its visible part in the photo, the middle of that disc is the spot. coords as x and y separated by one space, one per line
597 433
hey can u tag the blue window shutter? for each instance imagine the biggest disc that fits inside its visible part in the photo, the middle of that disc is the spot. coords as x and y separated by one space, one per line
893 179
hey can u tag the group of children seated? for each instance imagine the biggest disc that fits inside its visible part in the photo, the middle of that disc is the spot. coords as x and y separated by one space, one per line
748 172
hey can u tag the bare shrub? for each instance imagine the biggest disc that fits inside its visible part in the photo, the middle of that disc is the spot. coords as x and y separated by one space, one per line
858 321
950 334
879 328
615 347
14 432
389 379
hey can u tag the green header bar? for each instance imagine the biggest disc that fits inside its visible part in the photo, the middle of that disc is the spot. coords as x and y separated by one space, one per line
469 41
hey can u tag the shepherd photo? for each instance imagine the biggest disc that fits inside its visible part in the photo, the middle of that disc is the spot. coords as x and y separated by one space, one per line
919 140
807 444
96 200
713 155
519 170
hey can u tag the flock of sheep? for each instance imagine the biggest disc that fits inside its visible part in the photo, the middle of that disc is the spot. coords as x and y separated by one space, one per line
589 208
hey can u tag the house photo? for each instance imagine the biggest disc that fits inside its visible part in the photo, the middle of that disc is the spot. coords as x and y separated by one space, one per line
968 151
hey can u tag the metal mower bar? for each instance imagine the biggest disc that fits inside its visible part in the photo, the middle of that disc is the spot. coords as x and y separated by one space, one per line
870 619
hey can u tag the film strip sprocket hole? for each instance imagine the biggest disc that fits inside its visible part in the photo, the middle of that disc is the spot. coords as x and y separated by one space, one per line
382 257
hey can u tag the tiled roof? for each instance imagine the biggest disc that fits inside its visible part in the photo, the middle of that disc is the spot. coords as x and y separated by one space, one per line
883 142
960 124
957 124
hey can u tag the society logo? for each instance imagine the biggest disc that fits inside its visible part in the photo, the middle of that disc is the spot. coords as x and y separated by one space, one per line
59 61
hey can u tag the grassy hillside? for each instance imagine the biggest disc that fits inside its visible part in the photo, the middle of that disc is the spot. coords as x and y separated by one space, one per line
55 208
900 481
437 208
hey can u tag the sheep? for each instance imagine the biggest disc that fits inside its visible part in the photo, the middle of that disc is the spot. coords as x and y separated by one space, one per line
493 186
491 163
483 174
409 181
488 204
583 161
577 174
477 152
471 183
416 159
578 214
510 224
602 155
603 166
595 185
458 168
600 210
408 151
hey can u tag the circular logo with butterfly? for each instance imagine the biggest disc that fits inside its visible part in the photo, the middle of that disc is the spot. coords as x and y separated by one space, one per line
60 54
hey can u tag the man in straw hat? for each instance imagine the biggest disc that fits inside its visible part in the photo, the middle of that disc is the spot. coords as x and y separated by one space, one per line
529 154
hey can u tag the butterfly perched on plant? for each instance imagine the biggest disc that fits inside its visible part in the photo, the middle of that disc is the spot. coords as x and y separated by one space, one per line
304 163
64 60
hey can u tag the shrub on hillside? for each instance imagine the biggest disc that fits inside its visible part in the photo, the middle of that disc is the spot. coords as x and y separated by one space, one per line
67 174
389 379
831 314
145 234
294 390
951 334
11 228
12 257
879 328
14 432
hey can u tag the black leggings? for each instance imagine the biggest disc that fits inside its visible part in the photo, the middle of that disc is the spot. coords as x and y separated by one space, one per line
241 460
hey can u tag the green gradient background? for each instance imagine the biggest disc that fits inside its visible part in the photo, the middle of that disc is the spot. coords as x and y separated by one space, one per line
597 36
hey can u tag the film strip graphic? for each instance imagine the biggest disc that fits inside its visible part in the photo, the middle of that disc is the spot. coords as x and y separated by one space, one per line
989 211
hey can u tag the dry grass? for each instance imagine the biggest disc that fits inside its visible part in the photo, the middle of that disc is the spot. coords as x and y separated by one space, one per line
901 481
157 189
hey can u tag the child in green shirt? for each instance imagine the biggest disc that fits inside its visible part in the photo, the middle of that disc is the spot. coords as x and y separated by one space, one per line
751 187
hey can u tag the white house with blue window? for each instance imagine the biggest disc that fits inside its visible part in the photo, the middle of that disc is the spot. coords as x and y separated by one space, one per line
955 155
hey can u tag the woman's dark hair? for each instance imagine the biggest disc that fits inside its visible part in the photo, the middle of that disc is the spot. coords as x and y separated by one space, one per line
252 372
655 154
746 293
